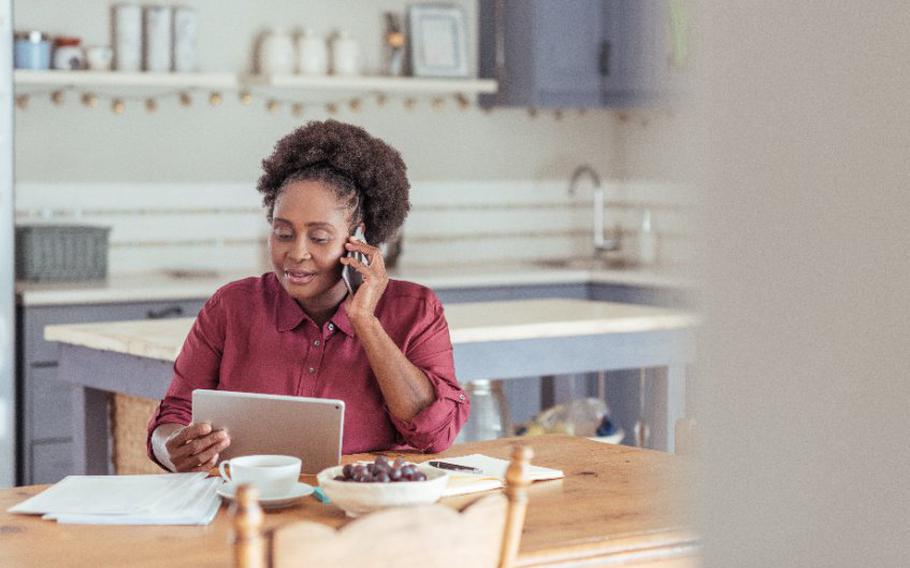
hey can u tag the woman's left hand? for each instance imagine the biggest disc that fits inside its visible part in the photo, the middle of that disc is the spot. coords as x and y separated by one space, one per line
375 280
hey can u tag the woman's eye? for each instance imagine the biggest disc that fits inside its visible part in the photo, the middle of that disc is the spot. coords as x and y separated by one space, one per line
283 235
320 239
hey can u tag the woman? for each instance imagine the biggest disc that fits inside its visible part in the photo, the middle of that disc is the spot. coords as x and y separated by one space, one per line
385 350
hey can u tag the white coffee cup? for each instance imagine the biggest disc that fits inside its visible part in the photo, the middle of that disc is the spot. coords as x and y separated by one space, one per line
274 476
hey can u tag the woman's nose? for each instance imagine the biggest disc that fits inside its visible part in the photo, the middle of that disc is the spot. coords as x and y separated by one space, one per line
300 251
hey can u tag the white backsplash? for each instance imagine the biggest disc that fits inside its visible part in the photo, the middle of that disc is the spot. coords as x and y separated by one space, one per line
222 226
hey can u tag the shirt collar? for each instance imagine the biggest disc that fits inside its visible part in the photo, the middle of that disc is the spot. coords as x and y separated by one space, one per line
289 313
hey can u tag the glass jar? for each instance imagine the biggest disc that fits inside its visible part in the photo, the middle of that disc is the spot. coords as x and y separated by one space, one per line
312 55
68 54
32 50
276 53
489 418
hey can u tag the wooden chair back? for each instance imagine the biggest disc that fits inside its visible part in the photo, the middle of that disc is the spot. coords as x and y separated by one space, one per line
486 533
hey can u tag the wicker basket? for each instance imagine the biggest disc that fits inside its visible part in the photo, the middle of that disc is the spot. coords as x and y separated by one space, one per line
129 420
47 252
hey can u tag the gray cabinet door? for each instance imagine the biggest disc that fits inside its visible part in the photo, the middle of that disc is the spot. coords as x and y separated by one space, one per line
543 53
575 53
567 53
635 51
51 461
45 414
50 404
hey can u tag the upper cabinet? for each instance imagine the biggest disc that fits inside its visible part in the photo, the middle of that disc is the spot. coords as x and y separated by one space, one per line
580 53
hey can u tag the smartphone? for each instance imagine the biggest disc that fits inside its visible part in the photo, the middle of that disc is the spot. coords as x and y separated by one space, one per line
352 278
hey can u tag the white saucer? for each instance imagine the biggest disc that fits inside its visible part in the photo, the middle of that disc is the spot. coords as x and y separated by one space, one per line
298 491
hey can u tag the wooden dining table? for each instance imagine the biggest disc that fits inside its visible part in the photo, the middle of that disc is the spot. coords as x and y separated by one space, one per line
617 505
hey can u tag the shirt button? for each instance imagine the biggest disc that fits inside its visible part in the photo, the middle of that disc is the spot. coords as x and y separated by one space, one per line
316 343
312 370
461 397
331 327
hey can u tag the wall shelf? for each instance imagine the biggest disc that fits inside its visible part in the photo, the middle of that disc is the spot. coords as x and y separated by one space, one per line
123 81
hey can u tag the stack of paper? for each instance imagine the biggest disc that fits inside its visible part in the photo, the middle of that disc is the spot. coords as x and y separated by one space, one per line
493 476
168 499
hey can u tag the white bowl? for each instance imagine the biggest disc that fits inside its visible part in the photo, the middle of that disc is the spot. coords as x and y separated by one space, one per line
360 498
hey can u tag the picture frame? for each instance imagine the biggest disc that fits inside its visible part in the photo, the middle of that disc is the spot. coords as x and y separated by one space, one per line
438 40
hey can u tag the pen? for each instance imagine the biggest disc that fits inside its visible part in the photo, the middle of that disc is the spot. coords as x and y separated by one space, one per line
454 467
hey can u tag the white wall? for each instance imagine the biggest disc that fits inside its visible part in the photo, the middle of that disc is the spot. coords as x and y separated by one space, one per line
804 399
72 143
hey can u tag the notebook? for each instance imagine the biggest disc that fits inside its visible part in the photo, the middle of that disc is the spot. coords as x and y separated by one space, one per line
493 476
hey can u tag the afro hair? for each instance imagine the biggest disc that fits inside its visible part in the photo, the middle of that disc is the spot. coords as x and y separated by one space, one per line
349 160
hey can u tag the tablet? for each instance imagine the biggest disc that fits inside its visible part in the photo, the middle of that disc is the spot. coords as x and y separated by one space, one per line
309 428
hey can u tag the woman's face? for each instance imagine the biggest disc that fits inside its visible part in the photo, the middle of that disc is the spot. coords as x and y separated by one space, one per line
309 229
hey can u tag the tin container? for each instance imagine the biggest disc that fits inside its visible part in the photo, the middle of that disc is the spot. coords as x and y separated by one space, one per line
127 42
157 36
186 26
32 50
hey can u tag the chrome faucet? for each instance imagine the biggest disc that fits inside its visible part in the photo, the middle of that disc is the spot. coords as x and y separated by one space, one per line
601 243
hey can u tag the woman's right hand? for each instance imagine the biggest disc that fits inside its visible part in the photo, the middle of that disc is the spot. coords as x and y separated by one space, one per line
196 447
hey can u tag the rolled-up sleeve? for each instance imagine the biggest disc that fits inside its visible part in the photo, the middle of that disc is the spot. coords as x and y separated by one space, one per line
197 367
435 427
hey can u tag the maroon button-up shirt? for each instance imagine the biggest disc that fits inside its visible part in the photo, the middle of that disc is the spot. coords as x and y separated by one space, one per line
252 336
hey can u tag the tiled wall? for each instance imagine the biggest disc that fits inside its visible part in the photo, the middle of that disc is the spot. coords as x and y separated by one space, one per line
222 227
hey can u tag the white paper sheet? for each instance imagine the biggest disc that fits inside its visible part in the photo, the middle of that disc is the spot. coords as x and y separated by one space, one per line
182 498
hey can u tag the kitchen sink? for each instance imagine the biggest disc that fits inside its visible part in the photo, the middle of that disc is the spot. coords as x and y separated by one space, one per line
587 263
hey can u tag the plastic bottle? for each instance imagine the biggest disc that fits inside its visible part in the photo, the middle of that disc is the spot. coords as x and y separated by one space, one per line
647 240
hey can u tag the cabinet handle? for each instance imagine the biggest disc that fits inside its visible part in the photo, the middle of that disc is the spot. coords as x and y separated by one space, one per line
164 313
605 58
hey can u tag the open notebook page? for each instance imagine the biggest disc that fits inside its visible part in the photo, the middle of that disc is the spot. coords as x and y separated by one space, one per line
493 476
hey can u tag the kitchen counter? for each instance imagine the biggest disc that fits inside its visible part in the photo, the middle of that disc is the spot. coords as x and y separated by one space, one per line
468 323
168 286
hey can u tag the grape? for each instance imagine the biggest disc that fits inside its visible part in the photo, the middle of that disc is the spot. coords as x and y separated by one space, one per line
381 471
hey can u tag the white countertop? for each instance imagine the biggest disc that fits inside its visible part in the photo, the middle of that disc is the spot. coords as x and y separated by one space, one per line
164 286
468 323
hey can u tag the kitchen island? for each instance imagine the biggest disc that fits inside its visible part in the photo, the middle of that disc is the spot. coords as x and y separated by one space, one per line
491 340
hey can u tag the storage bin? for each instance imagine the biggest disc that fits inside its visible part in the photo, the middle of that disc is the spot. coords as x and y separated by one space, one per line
54 253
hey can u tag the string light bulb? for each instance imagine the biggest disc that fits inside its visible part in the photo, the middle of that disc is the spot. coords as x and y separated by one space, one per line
57 97
463 101
215 99
245 98
118 106
151 105
272 105
22 101
297 109
438 103
410 103
355 105
532 112
185 99
90 100
557 114
381 99
331 108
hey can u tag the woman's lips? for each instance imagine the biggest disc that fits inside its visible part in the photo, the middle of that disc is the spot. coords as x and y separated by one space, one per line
299 277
